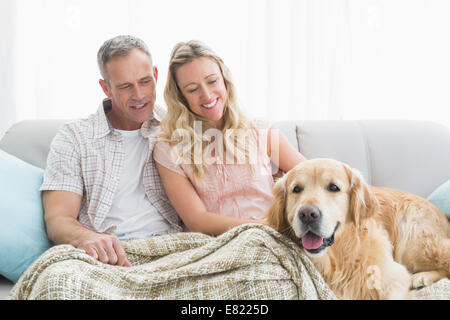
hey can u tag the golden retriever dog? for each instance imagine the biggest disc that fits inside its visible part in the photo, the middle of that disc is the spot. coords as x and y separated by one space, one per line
367 242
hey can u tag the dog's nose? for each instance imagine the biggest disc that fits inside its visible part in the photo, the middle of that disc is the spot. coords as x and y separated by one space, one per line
309 213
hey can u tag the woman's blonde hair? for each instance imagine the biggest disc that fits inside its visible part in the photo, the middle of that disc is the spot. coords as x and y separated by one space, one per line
180 116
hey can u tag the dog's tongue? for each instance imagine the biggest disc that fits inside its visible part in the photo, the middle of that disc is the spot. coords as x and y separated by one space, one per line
311 241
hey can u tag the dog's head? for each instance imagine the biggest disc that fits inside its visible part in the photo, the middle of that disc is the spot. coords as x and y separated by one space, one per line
316 199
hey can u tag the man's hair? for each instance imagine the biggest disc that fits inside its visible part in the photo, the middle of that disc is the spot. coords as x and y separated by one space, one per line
118 46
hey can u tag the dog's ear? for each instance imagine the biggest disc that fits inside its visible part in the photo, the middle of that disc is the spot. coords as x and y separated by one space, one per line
276 214
363 202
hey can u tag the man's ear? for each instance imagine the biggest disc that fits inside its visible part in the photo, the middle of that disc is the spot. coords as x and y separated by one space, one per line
105 87
155 73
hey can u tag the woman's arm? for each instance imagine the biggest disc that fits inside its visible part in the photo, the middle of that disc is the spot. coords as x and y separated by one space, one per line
190 207
281 151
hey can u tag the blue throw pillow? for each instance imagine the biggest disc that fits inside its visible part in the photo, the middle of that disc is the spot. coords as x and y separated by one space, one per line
22 231
441 198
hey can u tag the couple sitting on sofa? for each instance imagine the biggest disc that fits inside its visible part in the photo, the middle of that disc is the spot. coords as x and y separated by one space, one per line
122 174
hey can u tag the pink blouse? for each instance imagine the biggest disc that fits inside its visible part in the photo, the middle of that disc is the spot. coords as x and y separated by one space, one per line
229 189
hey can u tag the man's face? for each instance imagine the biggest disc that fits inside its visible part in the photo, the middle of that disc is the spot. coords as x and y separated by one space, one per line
131 87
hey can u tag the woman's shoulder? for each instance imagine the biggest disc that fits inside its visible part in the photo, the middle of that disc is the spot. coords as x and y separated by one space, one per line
166 155
164 150
162 144
260 124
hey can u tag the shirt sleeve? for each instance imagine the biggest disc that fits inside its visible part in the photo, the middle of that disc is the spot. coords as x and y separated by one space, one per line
166 156
63 171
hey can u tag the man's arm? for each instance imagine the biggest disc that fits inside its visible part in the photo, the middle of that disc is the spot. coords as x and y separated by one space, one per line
61 212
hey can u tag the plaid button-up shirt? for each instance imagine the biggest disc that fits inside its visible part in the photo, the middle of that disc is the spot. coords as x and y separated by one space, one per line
86 157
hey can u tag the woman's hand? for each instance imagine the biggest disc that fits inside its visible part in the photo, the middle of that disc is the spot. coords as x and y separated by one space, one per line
262 221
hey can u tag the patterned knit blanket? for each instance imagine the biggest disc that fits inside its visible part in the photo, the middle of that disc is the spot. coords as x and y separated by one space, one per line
248 262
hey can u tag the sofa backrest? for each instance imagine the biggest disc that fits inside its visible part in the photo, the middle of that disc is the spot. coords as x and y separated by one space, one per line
409 155
413 156
30 140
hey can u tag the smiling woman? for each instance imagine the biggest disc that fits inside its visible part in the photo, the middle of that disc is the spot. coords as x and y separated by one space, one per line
202 84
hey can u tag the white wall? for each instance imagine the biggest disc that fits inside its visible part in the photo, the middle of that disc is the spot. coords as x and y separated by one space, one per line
8 106
291 59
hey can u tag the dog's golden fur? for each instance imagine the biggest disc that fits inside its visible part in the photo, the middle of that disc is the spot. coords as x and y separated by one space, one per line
386 241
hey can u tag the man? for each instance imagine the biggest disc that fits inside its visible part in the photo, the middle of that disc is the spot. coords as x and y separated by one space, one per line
101 184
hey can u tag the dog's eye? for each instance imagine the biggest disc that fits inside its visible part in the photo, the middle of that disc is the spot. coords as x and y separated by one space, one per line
333 188
297 189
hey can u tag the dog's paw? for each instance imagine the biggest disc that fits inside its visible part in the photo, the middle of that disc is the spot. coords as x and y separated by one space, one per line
373 278
423 279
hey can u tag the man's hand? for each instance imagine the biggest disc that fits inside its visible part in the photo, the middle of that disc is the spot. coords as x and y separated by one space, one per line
105 248
61 212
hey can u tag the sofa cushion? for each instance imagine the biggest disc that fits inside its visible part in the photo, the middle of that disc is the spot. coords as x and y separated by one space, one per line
441 198
336 139
398 154
412 156
22 231
30 140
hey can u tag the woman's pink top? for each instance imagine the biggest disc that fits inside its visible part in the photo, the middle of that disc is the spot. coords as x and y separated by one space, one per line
229 189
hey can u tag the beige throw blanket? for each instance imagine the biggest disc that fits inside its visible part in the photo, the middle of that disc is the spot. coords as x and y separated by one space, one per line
248 262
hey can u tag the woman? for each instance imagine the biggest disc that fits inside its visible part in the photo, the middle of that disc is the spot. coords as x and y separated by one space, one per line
219 175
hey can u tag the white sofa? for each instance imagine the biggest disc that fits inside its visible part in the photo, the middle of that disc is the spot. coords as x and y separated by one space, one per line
410 155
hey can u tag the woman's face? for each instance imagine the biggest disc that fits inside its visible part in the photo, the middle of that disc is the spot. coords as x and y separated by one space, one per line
202 85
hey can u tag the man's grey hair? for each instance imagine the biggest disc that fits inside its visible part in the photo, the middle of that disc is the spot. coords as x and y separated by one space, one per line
118 46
